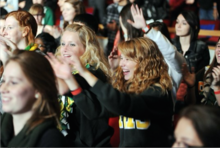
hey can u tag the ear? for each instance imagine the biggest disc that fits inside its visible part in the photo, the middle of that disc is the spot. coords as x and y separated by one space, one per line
25 31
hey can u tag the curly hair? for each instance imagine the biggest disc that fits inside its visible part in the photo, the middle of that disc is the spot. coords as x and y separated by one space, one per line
94 54
151 68
25 19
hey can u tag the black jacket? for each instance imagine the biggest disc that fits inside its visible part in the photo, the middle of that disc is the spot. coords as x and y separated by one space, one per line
197 56
145 119
86 131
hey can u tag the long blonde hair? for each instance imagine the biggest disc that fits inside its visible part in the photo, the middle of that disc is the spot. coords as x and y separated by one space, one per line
151 68
94 54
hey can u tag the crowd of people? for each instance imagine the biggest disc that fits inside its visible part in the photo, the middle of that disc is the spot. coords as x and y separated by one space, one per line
61 87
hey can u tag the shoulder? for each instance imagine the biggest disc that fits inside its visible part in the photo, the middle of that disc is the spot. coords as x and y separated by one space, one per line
201 46
112 6
52 137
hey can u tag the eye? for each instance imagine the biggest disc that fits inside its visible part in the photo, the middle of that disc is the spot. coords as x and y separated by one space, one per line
13 82
72 44
62 44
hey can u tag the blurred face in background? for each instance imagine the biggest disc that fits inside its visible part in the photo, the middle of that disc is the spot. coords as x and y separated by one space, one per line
182 27
186 135
38 2
68 12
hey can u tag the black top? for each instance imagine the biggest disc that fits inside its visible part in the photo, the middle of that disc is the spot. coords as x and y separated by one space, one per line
43 135
84 130
206 4
146 118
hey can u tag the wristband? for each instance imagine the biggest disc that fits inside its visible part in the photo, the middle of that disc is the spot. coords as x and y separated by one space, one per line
217 92
146 29
76 91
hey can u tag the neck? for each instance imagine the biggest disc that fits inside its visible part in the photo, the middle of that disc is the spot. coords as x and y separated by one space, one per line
185 40
122 3
22 44
19 120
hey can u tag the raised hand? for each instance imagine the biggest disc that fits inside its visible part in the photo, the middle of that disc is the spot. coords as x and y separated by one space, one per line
188 77
216 78
137 14
114 58
6 48
61 68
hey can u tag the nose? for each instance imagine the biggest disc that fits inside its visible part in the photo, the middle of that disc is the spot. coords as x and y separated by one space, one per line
122 62
5 32
3 88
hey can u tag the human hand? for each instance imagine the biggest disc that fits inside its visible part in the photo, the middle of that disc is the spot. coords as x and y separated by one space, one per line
137 14
112 26
56 32
216 78
215 14
62 69
114 58
188 77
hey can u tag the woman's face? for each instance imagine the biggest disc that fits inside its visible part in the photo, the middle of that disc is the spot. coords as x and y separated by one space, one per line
40 43
128 66
182 27
12 30
38 17
217 52
68 12
18 94
185 134
71 45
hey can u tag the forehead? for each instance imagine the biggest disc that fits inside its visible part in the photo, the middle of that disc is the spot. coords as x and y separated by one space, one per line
13 69
11 21
67 5
71 35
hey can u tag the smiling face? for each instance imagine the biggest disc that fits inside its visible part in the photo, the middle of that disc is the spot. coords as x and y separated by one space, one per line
71 45
128 66
68 12
182 27
217 52
13 31
16 90
185 134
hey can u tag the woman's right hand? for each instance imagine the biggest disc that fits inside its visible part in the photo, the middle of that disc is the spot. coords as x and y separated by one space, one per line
114 58
189 78
6 48
62 69
216 78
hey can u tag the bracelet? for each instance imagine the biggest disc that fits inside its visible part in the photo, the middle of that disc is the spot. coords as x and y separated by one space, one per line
146 29
76 91
217 92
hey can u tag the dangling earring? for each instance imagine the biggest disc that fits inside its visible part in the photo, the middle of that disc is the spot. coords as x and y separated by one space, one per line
36 96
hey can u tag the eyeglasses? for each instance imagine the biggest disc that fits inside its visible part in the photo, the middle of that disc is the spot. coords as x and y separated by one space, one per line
41 46
37 14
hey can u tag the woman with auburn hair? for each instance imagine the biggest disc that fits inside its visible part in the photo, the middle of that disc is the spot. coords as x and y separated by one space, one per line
21 29
140 94
29 101
79 129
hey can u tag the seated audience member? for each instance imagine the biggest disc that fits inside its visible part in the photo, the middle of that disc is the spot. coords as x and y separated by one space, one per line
37 10
49 16
29 101
210 94
195 51
198 126
79 129
46 42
